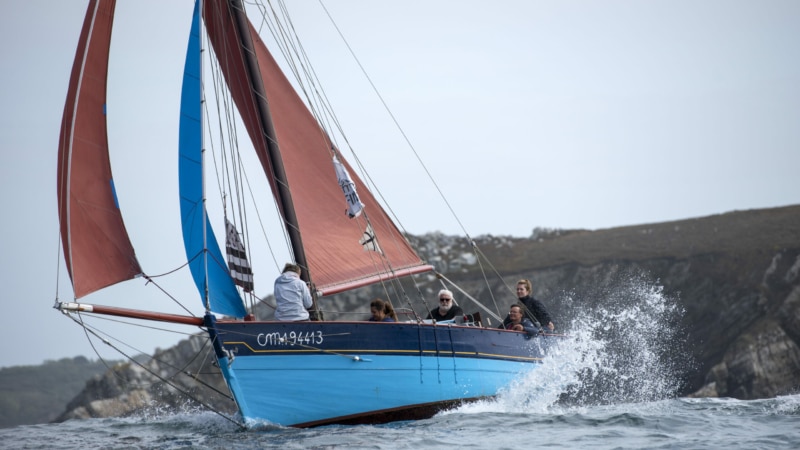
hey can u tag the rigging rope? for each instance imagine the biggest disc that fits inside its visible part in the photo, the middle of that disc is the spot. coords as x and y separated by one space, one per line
280 25
394 119
283 31
89 330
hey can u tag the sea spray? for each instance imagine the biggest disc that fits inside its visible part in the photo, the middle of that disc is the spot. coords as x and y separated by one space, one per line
625 345
631 343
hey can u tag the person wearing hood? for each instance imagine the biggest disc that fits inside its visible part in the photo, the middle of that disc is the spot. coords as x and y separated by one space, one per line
291 295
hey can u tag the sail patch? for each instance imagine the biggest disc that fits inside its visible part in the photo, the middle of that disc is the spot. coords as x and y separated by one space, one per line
370 241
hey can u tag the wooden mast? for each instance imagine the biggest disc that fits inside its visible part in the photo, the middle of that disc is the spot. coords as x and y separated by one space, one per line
259 94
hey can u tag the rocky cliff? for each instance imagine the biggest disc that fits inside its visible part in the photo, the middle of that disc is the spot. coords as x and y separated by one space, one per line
182 377
734 279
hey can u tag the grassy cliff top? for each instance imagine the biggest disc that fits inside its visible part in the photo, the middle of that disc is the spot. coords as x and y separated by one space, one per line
734 232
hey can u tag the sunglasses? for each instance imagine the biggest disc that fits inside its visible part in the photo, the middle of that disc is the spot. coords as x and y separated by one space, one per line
445 299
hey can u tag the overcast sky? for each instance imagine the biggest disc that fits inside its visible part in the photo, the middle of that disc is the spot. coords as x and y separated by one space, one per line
561 114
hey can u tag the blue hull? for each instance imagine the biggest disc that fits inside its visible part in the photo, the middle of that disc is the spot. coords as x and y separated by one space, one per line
315 373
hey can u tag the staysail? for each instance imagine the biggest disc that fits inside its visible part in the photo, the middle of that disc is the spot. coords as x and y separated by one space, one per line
208 266
97 249
335 258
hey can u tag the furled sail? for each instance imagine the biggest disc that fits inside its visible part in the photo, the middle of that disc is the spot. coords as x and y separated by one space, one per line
208 267
335 258
97 249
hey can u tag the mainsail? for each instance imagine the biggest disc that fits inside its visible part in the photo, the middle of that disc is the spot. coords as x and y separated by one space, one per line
296 156
97 250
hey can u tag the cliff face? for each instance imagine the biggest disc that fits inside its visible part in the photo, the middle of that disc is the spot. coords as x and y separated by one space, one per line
735 278
739 328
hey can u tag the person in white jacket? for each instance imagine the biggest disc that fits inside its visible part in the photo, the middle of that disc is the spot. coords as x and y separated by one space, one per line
291 295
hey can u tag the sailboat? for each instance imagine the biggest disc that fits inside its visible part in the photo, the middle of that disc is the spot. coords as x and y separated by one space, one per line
364 372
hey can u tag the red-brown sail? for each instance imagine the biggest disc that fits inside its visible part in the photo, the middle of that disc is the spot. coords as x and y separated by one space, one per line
96 246
336 259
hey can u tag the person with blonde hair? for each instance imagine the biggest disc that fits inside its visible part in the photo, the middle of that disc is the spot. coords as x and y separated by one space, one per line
447 309
534 309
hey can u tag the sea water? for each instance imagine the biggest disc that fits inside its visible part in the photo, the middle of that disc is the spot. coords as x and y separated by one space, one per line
674 423
612 385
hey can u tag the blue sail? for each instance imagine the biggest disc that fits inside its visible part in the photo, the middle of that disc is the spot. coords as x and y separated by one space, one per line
222 293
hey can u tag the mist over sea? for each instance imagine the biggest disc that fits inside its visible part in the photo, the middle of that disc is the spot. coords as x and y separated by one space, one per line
612 385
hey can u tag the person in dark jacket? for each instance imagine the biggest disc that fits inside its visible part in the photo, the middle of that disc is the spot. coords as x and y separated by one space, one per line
534 309
447 309
517 322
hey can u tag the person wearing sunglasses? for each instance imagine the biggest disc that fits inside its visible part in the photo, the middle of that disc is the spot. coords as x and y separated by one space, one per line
447 309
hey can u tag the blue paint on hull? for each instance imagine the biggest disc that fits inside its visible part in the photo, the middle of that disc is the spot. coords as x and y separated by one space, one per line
303 389
313 373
